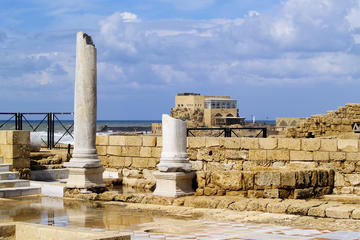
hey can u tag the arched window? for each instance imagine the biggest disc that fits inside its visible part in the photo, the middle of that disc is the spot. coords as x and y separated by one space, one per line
218 115
283 123
229 115
293 123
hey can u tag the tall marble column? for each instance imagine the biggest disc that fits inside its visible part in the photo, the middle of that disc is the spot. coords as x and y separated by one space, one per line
174 178
85 170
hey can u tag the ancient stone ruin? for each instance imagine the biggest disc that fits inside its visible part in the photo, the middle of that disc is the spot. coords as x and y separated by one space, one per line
174 178
85 167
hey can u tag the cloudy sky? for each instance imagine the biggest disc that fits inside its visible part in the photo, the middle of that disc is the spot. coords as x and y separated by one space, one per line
278 58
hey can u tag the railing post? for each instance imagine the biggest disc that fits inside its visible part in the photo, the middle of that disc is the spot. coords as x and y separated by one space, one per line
264 132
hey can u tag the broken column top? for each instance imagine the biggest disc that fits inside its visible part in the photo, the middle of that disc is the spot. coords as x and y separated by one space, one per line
86 37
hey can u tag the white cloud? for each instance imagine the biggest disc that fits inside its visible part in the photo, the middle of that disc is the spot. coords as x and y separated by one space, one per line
190 4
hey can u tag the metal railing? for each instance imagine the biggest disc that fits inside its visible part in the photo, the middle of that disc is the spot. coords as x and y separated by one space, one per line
42 122
227 132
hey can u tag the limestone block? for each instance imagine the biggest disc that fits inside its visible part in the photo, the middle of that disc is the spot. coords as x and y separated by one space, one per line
277 207
321 156
152 162
232 143
267 179
130 151
348 145
289 143
353 179
337 156
196 165
214 142
268 143
228 180
115 161
348 167
196 142
114 150
159 141
301 156
131 173
249 143
145 152
302 208
156 152
102 140
117 140
148 174
339 212
239 154
276 155
149 141
3 138
101 150
140 162
133 140
339 180
17 137
356 214
328 145
353 156
288 179
310 144
255 155
271 193
303 193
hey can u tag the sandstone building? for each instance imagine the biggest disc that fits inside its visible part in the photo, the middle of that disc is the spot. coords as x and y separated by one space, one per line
202 110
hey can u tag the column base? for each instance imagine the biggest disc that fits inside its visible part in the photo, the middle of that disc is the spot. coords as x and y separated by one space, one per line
85 178
173 184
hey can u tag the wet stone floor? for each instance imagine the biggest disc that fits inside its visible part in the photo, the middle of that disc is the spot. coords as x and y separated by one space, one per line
147 225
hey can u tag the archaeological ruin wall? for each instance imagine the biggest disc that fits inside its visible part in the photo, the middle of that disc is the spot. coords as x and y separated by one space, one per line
337 123
135 157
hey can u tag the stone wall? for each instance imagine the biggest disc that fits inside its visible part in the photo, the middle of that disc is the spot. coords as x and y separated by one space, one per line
334 123
15 148
135 157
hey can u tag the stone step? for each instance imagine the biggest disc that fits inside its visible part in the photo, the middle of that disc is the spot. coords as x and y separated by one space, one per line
344 198
4 167
9 175
14 183
19 191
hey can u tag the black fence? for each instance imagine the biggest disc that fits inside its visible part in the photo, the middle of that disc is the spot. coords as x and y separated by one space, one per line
227 132
47 123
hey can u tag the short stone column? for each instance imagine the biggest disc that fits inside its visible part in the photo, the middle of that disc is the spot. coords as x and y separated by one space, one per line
174 178
85 170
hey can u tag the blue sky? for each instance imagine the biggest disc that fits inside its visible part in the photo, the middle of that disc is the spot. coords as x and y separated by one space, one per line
288 58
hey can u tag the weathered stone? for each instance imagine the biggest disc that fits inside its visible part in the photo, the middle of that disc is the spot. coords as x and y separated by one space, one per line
149 141
145 152
301 207
356 214
311 144
277 155
232 143
339 212
348 145
267 179
229 180
196 142
268 143
114 150
102 140
321 156
301 156
303 193
277 207
213 142
255 155
354 179
210 191
288 179
249 143
328 145
239 205
131 151
271 193
337 156
289 143
117 140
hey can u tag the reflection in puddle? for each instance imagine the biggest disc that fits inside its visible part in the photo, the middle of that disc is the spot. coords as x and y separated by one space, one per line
71 213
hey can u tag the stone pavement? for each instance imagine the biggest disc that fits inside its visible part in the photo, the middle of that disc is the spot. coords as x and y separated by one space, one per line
224 230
